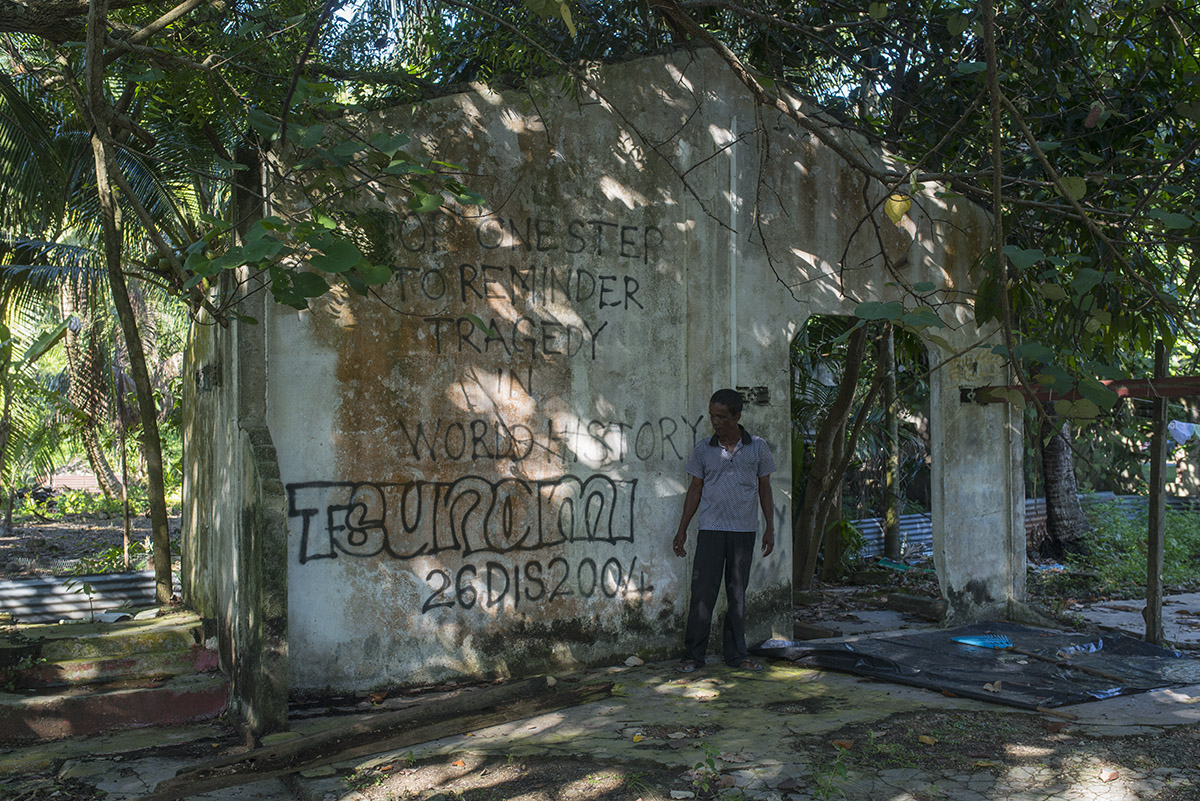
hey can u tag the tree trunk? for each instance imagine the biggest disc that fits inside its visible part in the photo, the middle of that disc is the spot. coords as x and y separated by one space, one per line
110 219
831 516
1066 524
84 365
891 515
808 533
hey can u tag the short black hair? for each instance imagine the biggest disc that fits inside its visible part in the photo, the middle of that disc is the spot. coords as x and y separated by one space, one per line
731 399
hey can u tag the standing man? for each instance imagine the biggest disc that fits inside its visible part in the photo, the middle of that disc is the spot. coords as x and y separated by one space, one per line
731 482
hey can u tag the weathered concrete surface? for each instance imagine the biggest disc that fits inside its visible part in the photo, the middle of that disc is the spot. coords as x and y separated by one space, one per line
495 496
1180 618
748 722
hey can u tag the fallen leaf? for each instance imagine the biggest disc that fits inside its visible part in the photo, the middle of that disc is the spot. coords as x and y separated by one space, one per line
458 763
790 783
994 687
378 698
983 763
738 758
925 739
386 768
633 661
1108 775
678 794
842 745
677 735
637 738
551 681
1055 726
725 781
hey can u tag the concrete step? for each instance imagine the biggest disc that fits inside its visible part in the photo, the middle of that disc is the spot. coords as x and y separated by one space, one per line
151 665
71 641
77 711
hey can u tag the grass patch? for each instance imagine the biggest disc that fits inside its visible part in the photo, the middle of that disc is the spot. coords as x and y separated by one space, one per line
1116 550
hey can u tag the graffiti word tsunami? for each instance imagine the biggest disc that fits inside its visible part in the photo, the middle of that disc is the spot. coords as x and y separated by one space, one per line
470 515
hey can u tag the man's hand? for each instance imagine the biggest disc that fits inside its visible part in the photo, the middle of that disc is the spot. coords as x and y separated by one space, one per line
677 545
768 543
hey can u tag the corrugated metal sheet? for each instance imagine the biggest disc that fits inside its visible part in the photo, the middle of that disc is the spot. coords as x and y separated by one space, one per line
916 531
48 599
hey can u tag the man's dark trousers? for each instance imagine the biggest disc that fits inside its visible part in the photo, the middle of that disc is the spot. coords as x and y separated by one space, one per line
719 554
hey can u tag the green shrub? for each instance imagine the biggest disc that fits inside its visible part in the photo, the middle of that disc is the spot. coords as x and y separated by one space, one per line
112 560
1117 549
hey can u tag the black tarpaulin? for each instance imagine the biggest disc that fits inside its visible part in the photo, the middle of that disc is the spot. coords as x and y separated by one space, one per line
936 661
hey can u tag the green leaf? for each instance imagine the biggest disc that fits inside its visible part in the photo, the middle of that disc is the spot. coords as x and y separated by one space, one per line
199 264
423 202
958 23
309 285
924 286
148 75
310 136
1035 351
923 317
46 341
259 249
1023 259
970 67
1052 291
263 123
1075 187
1172 220
872 310
389 143
1189 109
1097 393
1049 144
375 274
405 167
345 150
478 323
1082 409
1014 397
1087 280
469 198
262 229
338 256
878 10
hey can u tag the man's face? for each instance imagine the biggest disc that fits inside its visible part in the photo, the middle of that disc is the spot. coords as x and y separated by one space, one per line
725 424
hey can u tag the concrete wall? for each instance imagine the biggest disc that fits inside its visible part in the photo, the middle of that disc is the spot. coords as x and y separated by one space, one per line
475 501
234 531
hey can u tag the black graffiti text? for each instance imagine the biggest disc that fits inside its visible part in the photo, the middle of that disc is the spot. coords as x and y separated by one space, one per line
523 336
533 583
404 520
420 233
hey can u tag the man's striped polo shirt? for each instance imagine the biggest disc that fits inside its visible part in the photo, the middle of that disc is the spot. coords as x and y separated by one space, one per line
729 501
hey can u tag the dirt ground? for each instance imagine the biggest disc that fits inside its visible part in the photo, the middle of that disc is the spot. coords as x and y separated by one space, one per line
943 742
937 742
43 547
